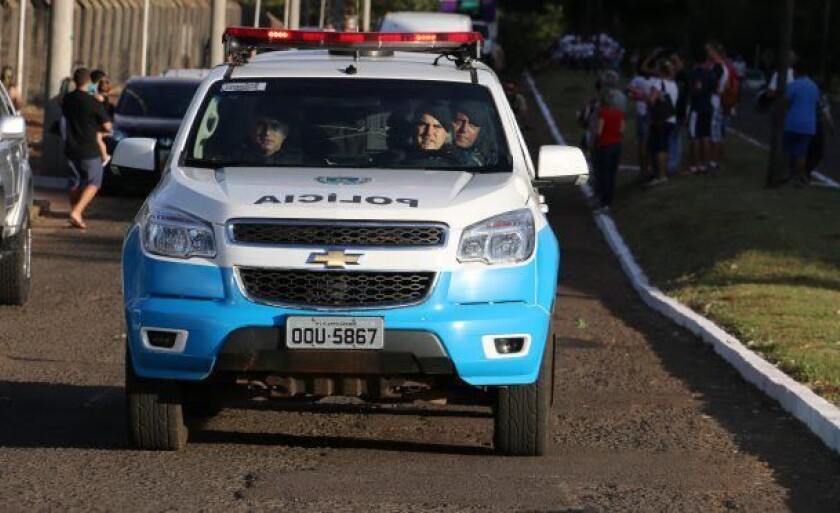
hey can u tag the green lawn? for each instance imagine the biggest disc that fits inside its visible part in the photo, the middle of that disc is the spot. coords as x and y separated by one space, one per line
762 263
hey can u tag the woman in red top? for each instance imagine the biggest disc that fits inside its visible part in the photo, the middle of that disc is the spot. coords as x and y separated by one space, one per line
608 147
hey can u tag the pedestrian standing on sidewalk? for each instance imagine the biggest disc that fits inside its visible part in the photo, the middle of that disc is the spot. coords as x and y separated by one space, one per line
803 98
700 88
716 63
664 96
84 118
825 123
675 145
639 90
7 75
610 132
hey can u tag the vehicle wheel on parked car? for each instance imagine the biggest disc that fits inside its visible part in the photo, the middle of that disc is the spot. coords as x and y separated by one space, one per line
521 426
15 268
155 413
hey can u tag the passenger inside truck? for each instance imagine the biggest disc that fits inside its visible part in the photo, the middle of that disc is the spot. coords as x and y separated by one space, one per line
358 124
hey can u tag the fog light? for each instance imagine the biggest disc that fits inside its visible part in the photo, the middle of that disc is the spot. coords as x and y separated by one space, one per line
163 339
509 345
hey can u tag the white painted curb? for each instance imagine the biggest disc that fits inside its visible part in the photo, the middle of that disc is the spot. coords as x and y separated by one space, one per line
821 417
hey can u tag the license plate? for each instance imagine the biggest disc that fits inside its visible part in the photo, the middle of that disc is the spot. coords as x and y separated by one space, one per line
335 333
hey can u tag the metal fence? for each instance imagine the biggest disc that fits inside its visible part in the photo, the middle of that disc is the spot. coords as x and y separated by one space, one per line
107 34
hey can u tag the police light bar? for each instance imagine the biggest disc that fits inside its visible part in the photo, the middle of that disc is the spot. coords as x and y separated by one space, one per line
239 38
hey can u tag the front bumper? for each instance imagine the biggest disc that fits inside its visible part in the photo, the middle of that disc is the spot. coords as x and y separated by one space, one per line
463 307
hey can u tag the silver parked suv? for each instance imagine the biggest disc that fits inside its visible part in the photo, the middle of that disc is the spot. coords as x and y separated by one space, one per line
15 200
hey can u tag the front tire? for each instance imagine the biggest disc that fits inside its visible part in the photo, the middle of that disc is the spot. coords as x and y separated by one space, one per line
15 268
155 413
521 420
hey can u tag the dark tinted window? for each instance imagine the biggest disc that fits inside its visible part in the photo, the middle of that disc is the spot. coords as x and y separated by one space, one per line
349 123
156 99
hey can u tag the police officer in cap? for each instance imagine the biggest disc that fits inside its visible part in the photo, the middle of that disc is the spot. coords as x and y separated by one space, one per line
469 136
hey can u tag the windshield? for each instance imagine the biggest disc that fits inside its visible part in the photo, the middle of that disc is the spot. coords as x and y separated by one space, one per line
156 99
349 123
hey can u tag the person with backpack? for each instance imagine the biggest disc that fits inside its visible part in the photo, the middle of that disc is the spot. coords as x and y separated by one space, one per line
663 101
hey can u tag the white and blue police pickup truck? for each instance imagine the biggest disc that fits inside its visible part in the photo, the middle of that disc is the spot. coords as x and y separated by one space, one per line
355 215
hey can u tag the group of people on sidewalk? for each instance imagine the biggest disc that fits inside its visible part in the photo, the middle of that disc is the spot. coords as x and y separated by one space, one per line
670 100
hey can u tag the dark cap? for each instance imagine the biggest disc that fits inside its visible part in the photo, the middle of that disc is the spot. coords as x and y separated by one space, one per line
474 110
437 110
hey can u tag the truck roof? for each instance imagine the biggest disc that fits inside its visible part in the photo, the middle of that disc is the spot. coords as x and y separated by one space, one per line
325 64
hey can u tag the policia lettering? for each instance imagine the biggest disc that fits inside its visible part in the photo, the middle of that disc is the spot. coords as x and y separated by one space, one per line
334 198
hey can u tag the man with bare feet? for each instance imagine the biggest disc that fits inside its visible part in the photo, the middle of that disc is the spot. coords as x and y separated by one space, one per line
84 117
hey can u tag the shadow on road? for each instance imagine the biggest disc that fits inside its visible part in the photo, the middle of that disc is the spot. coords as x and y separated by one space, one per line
61 416
335 442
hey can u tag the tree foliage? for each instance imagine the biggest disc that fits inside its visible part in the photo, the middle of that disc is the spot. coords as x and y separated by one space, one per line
747 27
527 35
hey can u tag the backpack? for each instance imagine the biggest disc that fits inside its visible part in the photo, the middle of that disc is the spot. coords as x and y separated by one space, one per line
663 109
732 90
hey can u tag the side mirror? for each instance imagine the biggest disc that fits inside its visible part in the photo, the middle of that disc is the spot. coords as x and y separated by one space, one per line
12 127
136 153
564 164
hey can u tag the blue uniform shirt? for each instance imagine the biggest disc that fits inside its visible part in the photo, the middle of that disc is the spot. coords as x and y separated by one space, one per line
803 97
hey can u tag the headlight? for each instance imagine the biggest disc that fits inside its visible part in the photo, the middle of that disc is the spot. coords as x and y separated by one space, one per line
172 233
501 239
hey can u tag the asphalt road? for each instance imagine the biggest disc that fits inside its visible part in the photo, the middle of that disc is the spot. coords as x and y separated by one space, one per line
648 418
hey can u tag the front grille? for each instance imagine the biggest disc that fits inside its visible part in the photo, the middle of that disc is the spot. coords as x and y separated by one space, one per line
346 235
336 289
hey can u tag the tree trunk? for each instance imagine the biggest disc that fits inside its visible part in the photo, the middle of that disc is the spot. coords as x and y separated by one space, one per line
776 165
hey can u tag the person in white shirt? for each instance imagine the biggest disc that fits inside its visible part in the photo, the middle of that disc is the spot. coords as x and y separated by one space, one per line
663 100
639 90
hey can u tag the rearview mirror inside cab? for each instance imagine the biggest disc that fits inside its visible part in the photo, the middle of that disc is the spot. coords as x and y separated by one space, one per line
137 153
563 164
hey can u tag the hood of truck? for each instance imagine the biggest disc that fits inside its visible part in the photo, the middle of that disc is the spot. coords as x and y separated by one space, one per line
305 193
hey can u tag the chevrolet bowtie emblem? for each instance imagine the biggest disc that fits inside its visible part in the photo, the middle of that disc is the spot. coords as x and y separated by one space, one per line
335 259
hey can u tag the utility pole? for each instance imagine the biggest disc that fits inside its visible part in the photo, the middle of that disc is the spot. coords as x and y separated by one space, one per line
776 165
366 16
61 45
294 15
20 49
144 47
257 9
321 16
825 50
286 5
217 30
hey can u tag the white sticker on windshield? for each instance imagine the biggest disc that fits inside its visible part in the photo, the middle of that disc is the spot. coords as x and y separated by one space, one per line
243 86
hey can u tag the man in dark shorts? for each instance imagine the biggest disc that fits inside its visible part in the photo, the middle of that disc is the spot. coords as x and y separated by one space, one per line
700 90
83 118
